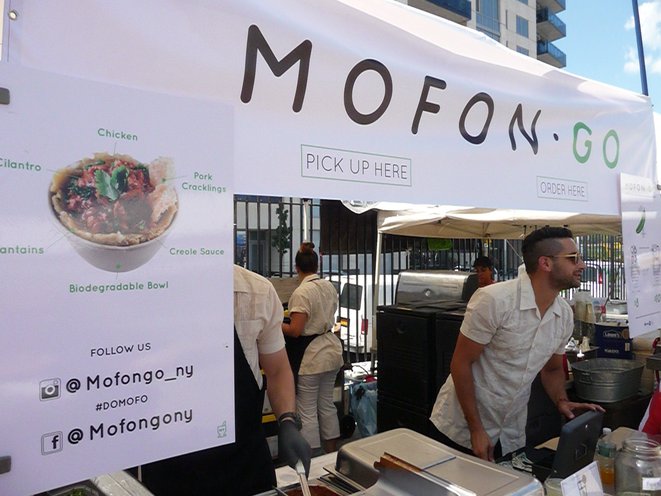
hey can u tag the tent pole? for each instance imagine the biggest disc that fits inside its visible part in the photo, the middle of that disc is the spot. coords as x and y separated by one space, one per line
306 215
375 294
641 54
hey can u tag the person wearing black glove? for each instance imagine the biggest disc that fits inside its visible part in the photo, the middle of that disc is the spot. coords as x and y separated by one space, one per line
292 446
245 467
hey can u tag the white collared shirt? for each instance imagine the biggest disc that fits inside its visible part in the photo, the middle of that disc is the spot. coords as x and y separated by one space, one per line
258 315
317 298
517 344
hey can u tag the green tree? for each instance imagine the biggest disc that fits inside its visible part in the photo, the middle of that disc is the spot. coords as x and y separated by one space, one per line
281 238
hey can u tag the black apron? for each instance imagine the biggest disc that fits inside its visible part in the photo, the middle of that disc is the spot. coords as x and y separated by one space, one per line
296 347
242 468
295 350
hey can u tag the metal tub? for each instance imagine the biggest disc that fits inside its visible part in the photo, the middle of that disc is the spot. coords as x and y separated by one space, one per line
607 380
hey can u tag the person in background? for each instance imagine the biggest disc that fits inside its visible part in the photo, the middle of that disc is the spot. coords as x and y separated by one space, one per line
246 466
315 352
511 331
484 268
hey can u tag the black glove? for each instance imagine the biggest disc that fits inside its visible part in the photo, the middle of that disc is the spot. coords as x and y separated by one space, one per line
292 446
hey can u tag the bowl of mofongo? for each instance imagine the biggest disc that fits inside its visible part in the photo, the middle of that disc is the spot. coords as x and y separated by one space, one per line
114 210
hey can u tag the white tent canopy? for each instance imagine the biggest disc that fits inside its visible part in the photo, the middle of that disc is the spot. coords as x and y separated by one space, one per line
446 222
451 221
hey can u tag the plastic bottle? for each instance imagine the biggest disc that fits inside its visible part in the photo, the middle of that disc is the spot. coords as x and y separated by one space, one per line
581 300
590 319
606 458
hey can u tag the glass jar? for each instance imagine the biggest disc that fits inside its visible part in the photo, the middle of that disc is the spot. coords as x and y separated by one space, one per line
638 467
552 487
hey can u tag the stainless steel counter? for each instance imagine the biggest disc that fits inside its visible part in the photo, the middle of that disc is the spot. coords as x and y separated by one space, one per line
115 484
402 462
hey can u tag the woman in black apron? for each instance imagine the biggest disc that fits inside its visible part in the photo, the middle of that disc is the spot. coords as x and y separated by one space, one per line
315 353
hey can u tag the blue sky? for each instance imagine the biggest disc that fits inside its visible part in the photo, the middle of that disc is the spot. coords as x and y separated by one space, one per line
601 43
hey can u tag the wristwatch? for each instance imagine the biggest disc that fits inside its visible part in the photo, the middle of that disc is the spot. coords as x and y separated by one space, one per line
291 417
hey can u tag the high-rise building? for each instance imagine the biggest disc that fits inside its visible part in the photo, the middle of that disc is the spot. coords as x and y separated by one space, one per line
527 26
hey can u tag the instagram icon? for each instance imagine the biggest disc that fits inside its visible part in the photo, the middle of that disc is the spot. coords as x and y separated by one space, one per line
49 389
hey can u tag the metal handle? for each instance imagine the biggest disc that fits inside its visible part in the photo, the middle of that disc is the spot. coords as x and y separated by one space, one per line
300 470
279 491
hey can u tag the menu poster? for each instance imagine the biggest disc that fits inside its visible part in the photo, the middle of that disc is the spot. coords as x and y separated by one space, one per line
116 263
641 242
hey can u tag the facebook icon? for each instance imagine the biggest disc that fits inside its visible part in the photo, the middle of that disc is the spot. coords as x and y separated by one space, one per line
51 443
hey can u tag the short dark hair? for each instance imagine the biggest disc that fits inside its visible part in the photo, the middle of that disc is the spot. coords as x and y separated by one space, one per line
541 242
483 262
306 258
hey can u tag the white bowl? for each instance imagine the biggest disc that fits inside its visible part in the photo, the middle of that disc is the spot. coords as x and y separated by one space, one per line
103 252
114 258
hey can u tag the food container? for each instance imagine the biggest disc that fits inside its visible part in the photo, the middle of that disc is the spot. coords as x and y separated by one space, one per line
120 483
79 489
315 490
436 467
327 485
114 210
606 380
616 310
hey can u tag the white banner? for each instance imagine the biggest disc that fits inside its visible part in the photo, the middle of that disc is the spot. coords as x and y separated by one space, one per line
361 99
115 255
641 240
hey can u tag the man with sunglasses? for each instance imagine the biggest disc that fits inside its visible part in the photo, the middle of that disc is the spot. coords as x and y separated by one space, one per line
511 331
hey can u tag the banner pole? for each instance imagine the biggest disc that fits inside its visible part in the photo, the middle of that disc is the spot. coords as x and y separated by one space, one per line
641 54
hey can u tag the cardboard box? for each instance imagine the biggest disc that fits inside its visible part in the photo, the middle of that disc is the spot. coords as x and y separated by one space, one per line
643 348
615 348
610 330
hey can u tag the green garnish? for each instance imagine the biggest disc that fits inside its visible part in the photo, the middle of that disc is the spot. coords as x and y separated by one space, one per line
145 171
112 186
120 178
92 164
77 492
85 192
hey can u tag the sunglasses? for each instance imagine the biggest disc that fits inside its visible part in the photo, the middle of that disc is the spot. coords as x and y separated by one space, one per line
574 257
